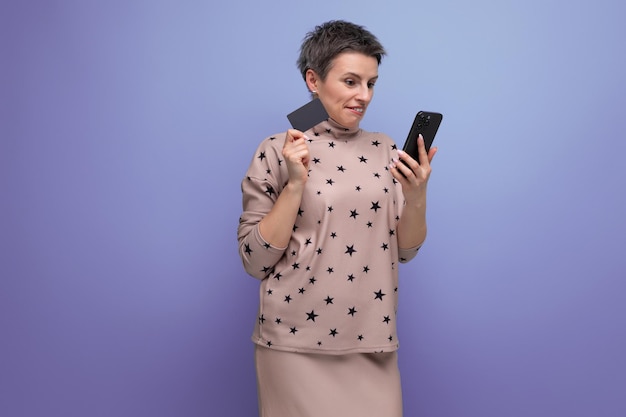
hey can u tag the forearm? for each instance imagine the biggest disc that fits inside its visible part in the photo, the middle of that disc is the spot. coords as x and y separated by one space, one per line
412 225
277 225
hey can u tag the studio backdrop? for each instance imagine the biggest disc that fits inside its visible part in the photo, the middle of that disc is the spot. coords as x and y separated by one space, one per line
127 127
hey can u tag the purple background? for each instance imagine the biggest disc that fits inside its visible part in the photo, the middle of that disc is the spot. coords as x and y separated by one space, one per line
127 127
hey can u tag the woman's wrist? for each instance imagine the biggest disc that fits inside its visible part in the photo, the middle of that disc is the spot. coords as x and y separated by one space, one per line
294 187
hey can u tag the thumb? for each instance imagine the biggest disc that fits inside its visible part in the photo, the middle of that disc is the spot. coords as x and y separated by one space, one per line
292 134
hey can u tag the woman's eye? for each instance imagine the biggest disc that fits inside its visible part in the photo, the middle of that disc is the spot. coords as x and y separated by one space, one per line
371 85
350 82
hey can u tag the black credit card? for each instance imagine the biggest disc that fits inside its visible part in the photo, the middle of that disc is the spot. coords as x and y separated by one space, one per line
308 115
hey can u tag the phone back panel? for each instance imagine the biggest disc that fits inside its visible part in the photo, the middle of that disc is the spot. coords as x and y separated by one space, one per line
427 123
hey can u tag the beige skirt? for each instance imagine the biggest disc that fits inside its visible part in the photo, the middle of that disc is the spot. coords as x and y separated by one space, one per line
314 385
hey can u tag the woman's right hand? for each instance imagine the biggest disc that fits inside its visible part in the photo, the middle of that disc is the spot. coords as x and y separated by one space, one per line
296 154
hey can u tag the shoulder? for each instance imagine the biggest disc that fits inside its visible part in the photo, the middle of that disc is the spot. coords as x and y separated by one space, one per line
267 161
270 148
274 141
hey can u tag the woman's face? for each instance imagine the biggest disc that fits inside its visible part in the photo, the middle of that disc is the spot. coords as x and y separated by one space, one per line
348 87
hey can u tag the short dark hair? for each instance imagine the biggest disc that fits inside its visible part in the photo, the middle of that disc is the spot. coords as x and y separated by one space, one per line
326 41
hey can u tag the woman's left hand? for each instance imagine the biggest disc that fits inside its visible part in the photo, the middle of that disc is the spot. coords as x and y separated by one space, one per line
413 177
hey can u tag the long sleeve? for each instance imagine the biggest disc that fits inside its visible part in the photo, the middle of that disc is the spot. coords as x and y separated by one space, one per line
405 255
260 188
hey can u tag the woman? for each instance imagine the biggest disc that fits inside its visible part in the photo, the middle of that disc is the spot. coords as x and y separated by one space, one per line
327 216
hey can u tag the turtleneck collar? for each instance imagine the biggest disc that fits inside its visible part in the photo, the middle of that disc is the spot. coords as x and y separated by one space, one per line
331 127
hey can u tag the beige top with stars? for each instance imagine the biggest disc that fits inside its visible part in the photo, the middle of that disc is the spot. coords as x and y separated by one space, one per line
334 289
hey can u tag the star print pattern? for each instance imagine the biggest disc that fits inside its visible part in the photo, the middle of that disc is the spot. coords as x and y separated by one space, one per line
334 288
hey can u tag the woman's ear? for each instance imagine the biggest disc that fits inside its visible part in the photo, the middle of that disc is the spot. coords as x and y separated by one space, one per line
311 80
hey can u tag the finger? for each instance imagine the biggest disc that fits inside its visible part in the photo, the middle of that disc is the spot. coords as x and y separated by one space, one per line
297 149
300 142
297 157
402 171
294 134
431 154
298 146
290 136
421 149
408 160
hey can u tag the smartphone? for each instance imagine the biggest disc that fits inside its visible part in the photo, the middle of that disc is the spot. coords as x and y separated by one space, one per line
427 123
308 115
